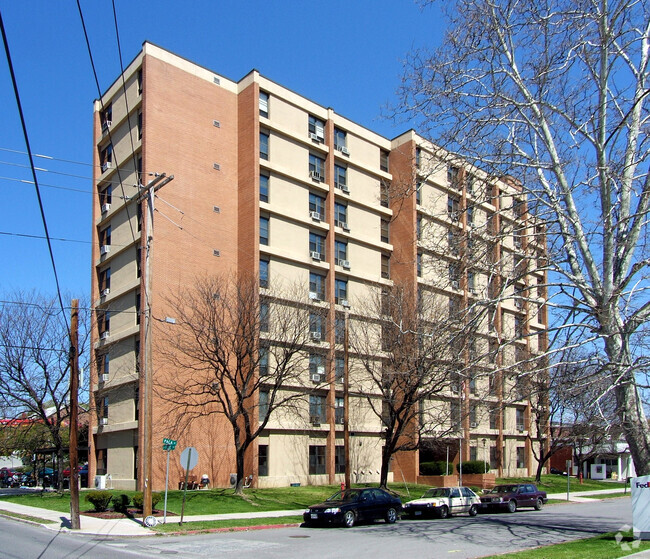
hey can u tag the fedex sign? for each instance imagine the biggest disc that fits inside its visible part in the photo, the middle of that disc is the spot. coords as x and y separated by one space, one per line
641 507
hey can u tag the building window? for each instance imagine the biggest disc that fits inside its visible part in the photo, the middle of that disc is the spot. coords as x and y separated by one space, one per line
316 325
103 366
472 383
385 266
263 363
418 157
106 117
339 329
140 82
263 460
316 168
316 129
339 369
106 157
341 140
316 367
341 254
453 175
105 237
340 292
340 215
383 160
454 415
317 409
317 246
384 193
264 188
471 282
469 213
520 420
339 460
316 460
418 264
519 327
341 178
264 104
339 407
453 207
136 354
138 262
317 206
264 316
104 281
264 273
264 145
473 454
264 230
263 406
521 457
454 275
494 463
137 307
473 419
139 125
106 196
494 414
316 286
105 407
385 231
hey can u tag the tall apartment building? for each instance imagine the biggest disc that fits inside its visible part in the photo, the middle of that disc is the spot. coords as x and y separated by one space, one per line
271 184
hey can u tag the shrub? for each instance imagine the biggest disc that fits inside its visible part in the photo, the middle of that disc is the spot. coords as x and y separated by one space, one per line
435 468
121 503
99 500
138 500
474 467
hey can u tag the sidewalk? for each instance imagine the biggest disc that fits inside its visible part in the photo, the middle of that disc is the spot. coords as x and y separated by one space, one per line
125 526
134 527
580 496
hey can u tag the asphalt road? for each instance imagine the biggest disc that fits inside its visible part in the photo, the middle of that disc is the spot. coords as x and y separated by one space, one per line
457 537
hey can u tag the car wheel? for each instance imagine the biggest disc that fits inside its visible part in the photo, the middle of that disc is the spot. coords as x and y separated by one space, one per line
443 512
349 519
473 510
539 504
391 516
512 506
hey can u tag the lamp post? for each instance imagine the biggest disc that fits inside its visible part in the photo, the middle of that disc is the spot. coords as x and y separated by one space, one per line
346 397
485 457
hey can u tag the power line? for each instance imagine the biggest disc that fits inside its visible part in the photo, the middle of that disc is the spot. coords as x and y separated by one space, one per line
31 162
26 235
42 170
47 185
50 157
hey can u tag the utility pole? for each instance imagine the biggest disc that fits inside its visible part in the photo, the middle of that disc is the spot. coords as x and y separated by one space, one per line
149 192
74 414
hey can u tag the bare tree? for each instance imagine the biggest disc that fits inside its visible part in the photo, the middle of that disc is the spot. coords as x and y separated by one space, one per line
408 383
34 370
242 356
556 95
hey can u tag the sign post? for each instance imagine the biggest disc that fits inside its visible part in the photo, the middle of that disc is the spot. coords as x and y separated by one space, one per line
190 457
168 445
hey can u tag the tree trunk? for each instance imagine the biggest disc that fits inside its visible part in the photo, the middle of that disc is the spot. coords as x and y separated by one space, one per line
239 489
385 465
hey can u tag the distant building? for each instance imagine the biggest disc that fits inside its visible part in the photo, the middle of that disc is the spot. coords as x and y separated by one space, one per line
270 183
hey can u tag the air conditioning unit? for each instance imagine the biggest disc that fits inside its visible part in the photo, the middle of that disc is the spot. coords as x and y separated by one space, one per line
104 335
106 125
315 216
314 296
345 264
105 292
455 284
106 166
103 421
100 482
339 420
344 188
473 425
315 336
344 303
104 249
345 226
315 175
313 136
315 377
105 208
343 150
315 255
103 377
520 429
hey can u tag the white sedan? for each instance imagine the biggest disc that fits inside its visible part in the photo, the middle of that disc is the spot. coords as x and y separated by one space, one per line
443 502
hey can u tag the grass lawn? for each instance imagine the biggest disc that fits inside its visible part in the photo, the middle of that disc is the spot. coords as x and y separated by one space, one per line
557 484
214 501
27 517
173 527
608 496
600 547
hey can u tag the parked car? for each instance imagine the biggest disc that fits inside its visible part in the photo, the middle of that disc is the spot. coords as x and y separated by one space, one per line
9 478
443 502
351 506
513 496
83 475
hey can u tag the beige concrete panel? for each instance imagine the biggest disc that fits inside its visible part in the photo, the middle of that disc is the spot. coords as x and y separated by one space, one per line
288 197
364 152
122 360
364 225
294 119
364 188
293 238
366 261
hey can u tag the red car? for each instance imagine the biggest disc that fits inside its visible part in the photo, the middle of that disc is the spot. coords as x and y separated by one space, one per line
8 478
510 497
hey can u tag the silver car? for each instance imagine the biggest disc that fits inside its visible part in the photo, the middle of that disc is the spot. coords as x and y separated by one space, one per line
443 502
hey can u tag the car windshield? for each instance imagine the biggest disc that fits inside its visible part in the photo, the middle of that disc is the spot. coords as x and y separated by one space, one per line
505 489
347 495
436 492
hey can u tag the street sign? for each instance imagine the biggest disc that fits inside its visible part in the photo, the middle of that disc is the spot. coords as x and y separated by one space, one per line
169 444
189 458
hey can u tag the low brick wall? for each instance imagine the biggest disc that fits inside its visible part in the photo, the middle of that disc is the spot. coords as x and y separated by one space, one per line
483 481
439 481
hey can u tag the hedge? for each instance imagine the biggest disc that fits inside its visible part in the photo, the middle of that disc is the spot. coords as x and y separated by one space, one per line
474 467
99 499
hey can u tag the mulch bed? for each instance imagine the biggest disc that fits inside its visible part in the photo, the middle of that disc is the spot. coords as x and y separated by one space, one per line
114 515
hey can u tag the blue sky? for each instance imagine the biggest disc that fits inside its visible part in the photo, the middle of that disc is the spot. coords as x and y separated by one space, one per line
342 54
